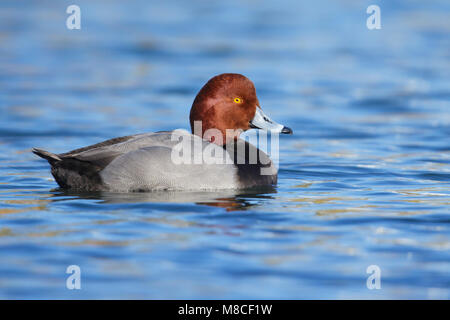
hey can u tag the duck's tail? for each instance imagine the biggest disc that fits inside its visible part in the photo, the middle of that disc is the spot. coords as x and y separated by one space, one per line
50 157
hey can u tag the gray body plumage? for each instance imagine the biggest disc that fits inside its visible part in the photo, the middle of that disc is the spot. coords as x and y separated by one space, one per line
153 161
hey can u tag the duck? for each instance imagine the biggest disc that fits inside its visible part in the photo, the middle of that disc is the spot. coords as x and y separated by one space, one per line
212 156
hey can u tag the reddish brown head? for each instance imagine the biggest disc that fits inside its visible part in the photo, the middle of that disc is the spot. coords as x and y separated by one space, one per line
228 101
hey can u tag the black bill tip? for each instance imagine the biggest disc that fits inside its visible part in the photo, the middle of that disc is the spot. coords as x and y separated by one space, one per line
251 125
286 130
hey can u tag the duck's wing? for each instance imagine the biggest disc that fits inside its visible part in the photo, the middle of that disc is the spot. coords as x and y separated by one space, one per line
80 168
106 143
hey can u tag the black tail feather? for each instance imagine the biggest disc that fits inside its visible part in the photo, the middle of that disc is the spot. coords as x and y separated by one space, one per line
50 157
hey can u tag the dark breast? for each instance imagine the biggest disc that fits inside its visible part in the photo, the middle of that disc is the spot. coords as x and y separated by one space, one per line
253 164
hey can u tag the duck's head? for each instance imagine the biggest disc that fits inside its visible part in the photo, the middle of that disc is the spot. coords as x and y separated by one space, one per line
226 106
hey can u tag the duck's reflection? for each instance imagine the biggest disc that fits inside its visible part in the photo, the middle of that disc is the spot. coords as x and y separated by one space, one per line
229 199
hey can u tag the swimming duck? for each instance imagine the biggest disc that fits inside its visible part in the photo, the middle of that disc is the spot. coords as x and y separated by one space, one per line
211 156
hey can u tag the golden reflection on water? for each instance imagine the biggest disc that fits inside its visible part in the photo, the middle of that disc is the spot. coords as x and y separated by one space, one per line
333 212
38 204
9 210
5 232
324 200
304 185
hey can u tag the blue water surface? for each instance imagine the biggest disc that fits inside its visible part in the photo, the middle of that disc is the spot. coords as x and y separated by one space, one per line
364 180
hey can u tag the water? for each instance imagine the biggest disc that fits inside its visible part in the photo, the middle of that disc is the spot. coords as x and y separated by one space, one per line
364 180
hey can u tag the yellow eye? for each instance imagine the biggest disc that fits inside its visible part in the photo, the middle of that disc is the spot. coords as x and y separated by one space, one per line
237 100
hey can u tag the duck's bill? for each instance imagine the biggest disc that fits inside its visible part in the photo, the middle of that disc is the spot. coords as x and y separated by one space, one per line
263 122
